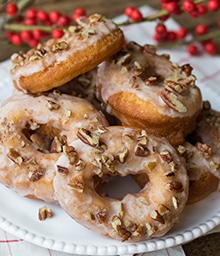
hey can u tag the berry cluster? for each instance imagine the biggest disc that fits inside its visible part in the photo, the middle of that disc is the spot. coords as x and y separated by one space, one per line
37 24
33 26
176 7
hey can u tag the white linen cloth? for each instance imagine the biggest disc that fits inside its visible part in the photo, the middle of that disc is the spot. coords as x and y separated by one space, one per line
206 75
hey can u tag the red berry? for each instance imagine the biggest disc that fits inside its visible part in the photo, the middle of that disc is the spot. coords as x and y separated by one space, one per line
31 13
172 7
161 29
29 22
16 39
37 34
80 11
189 6
57 33
42 16
192 49
210 47
64 21
26 35
181 33
213 5
136 15
128 10
201 29
171 36
202 10
54 16
9 34
33 42
11 9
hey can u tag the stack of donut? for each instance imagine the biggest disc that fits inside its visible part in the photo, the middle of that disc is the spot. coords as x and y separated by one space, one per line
86 109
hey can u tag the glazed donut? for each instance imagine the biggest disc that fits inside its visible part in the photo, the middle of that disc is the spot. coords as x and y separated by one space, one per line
57 61
34 132
202 154
146 90
121 151
203 178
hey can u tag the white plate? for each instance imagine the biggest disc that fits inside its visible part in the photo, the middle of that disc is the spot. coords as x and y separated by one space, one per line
18 215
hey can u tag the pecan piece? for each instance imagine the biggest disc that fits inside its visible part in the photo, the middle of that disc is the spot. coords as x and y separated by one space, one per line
156 216
15 156
62 169
166 156
44 213
35 175
141 150
52 105
88 137
175 186
172 101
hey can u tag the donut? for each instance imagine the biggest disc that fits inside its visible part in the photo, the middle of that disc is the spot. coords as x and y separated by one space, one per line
57 61
119 151
202 153
34 132
146 90
203 177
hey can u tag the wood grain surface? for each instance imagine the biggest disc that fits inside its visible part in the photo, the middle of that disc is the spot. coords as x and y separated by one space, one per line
205 246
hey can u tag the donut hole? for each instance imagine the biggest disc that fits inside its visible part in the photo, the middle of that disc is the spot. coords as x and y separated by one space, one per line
43 138
117 187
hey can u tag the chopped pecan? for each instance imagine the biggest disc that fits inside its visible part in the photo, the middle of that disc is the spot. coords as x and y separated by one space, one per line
121 156
59 46
62 169
149 165
175 186
157 217
52 105
166 156
35 175
77 184
150 230
101 216
56 145
15 156
137 69
80 165
88 137
187 69
205 149
163 210
44 213
141 150
172 100
71 153
151 81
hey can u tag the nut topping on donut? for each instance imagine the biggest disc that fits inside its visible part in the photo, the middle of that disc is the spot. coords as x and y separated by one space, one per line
59 46
175 186
52 105
35 175
156 216
172 100
88 137
62 169
15 156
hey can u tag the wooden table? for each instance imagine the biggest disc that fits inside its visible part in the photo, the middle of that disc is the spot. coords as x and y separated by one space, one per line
208 245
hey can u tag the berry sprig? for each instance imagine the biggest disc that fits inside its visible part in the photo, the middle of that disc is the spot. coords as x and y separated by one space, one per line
202 38
33 26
